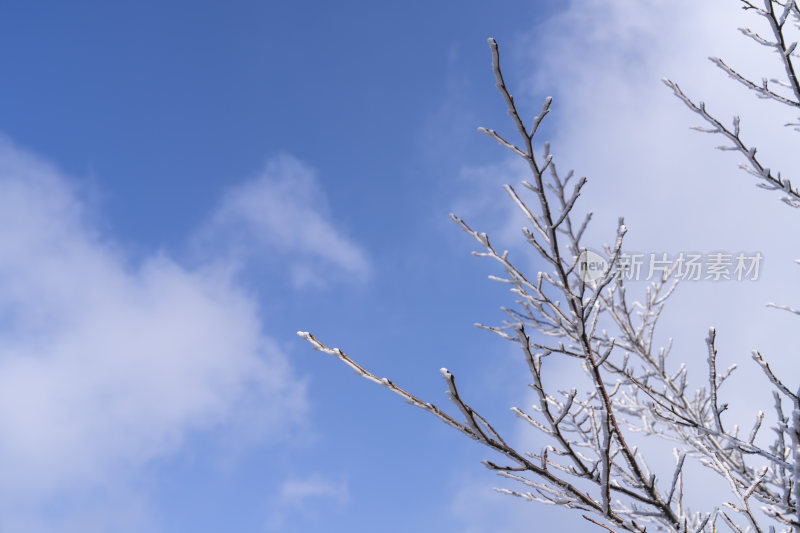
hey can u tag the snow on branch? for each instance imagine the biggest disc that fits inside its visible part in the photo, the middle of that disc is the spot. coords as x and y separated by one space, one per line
776 14
629 385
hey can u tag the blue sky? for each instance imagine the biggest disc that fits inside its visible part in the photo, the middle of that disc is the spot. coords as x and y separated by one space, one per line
186 184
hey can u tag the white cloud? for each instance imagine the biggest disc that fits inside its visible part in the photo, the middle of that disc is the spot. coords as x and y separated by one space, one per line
618 124
296 492
301 496
283 214
107 364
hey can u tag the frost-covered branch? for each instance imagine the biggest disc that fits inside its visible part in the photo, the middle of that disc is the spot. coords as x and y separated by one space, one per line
630 389
777 15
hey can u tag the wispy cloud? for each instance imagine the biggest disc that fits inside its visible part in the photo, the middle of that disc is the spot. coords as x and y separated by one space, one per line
300 496
283 215
107 363
296 492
